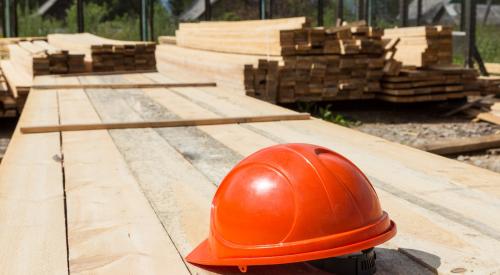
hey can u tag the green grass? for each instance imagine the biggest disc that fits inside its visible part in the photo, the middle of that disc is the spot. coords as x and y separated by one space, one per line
325 112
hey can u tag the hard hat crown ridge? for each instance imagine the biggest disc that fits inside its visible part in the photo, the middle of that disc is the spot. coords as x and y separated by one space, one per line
289 203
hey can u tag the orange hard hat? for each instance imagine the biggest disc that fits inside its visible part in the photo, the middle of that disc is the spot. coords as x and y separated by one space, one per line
292 203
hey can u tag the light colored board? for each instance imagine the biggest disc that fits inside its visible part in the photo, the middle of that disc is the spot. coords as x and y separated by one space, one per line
112 228
462 145
224 68
32 216
258 37
122 86
18 80
493 68
159 124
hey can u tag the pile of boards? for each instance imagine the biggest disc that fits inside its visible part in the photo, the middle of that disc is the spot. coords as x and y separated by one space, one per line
107 55
40 58
4 42
219 51
284 60
422 46
320 64
287 60
413 84
7 103
419 67
490 84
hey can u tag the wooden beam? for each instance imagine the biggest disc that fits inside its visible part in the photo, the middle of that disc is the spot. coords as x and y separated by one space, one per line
459 146
162 124
108 73
121 86
489 117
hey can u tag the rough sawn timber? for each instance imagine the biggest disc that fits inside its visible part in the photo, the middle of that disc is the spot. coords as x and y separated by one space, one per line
445 210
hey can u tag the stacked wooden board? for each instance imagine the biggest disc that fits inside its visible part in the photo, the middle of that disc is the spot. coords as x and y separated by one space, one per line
419 67
226 69
18 81
288 60
107 55
7 102
320 64
256 37
137 201
429 84
40 58
4 42
422 46
490 84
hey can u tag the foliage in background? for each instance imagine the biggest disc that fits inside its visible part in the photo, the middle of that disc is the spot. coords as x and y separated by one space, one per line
488 42
124 26
120 19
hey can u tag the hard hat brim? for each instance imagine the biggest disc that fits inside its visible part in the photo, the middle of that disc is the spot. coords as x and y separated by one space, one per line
203 254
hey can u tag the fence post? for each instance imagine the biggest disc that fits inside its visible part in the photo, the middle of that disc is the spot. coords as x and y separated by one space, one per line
79 14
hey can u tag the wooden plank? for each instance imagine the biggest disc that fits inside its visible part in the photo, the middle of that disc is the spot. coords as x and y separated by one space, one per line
463 145
32 215
178 191
258 37
493 68
112 228
107 73
489 117
122 86
369 153
161 124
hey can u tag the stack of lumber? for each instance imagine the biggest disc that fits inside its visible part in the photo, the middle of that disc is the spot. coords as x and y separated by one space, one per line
7 102
256 37
40 58
321 64
422 46
226 69
418 67
137 201
412 84
490 84
107 55
4 42
18 82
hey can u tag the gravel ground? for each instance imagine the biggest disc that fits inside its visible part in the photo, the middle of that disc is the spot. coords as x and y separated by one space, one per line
420 124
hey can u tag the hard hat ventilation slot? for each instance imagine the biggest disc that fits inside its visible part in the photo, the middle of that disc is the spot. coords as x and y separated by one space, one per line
362 263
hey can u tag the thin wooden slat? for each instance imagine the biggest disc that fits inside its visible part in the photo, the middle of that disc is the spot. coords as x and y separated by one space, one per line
160 124
463 145
122 86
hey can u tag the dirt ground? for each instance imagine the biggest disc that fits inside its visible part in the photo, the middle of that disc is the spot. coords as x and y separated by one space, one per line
415 125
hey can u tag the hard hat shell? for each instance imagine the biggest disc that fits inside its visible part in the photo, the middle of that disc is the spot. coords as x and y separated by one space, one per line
292 203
